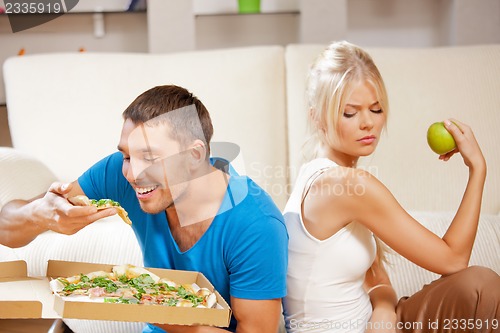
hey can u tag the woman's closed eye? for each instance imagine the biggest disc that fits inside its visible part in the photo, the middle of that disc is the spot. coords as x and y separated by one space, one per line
349 114
377 111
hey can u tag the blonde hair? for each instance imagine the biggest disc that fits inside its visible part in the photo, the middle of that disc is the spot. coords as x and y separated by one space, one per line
330 82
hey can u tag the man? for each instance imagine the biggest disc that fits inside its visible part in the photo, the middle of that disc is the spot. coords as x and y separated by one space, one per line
186 213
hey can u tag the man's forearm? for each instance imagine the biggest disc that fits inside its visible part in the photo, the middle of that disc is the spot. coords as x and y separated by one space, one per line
16 226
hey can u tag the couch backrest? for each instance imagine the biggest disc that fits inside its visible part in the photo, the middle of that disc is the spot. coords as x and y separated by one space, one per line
424 86
65 109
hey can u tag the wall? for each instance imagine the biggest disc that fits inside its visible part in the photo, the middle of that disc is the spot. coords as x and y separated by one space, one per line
401 23
124 32
395 23
222 31
180 25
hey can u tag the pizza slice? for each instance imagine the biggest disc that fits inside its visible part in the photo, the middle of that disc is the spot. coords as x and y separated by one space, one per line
83 200
131 272
92 285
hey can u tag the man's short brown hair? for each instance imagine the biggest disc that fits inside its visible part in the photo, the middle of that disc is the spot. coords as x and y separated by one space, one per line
162 99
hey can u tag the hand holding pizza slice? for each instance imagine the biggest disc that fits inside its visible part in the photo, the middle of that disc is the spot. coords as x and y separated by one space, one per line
82 200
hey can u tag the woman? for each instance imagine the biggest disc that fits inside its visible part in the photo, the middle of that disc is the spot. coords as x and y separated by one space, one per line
336 280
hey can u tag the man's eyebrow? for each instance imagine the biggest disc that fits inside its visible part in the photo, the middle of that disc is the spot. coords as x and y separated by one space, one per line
144 150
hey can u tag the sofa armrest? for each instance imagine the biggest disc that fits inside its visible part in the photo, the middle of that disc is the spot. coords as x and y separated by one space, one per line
22 176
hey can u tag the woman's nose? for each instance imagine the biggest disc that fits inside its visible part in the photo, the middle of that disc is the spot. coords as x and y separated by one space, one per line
367 120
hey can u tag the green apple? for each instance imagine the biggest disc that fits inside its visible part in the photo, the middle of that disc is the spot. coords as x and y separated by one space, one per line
439 139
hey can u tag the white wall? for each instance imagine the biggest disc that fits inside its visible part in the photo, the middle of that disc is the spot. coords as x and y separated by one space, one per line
400 23
403 23
210 24
68 33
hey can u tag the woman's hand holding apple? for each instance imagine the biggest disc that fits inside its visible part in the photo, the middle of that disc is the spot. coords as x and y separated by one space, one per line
467 145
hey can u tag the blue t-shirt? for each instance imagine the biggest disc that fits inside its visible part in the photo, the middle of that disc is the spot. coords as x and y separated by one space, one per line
243 252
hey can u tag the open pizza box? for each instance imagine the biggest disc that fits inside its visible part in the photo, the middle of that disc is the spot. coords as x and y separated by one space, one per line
26 297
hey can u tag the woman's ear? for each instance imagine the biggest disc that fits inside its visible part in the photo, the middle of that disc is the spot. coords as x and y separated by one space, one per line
312 114
314 119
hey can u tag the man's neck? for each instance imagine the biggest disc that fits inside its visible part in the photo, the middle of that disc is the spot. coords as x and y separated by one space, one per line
191 216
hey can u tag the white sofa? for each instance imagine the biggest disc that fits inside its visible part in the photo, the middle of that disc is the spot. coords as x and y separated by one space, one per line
65 113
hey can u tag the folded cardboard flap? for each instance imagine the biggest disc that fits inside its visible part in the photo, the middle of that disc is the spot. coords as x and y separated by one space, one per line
17 297
20 309
58 268
11 269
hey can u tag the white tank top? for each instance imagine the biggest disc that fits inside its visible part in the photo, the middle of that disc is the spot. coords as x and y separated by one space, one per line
325 277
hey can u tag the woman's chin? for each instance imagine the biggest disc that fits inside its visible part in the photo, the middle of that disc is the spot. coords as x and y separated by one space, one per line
366 152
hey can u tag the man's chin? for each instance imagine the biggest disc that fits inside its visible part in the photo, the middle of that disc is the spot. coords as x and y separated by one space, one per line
151 209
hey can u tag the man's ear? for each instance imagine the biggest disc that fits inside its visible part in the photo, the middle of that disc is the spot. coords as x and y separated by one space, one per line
198 153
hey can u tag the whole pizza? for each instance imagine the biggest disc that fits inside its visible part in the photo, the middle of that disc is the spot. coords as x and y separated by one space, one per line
128 284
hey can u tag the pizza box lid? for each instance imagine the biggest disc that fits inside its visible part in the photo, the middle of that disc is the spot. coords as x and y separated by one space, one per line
22 296
40 297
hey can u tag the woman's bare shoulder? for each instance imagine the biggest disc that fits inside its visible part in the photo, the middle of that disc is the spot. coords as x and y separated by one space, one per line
349 187
344 175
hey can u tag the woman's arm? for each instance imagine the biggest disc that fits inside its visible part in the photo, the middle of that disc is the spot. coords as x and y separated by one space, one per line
383 298
381 213
21 221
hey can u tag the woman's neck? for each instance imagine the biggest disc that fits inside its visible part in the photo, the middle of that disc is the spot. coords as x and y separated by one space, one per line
338 157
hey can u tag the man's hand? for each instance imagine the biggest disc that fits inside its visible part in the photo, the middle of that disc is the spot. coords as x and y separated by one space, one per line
54 212
21 221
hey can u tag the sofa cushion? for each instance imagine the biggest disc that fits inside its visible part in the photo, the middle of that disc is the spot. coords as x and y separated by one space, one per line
22 176
407 278
424 86
72 117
